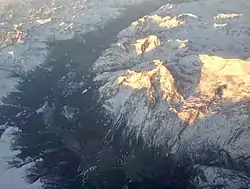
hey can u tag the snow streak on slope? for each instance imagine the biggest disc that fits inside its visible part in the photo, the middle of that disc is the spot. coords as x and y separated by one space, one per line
188 89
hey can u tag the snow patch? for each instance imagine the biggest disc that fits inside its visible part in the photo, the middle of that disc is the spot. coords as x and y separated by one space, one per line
12 177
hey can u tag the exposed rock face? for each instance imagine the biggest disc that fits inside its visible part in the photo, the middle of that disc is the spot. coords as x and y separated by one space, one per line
147 44
184 82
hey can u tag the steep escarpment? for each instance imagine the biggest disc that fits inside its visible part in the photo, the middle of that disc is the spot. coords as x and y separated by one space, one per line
180 78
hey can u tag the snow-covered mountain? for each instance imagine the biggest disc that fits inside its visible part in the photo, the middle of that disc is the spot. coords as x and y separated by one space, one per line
174 89
180 78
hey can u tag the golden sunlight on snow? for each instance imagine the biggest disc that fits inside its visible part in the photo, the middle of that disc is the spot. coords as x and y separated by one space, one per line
199 58
146 44
221 80
147 79
226 79
218 71
137 22
166 22
152 41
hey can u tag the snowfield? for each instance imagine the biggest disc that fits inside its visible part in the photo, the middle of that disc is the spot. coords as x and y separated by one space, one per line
12 177
181 79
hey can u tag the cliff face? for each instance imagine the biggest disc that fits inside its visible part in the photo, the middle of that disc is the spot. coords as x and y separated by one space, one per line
180 77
